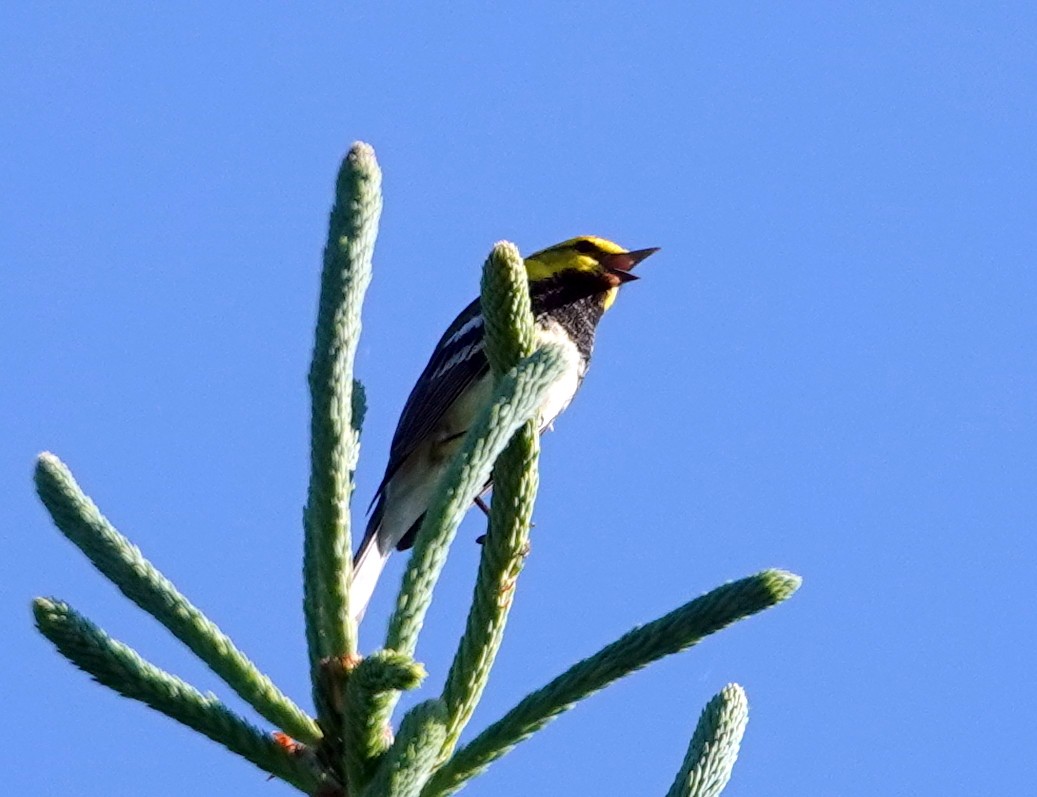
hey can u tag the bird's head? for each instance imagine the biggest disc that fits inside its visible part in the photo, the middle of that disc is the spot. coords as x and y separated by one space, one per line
587 256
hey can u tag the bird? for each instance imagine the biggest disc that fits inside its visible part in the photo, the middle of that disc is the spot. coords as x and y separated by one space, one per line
571 285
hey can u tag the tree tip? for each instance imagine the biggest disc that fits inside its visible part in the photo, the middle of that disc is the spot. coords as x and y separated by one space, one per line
781 583
42 604
505 246
46 611
410 676
390 669
50 474
506 254
734 695
361 157
46 461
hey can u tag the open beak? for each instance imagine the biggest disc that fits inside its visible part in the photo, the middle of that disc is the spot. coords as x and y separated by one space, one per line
621 263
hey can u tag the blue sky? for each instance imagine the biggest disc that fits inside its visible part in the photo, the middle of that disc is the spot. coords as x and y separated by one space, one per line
828 368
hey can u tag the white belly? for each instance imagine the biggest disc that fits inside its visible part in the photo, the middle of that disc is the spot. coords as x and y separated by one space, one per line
562 391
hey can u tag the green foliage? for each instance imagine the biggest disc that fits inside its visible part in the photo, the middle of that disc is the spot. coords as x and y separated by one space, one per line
336 415
509 337
674 632
120 668
516 397
714 745
349 747
409 762
79 519
371 688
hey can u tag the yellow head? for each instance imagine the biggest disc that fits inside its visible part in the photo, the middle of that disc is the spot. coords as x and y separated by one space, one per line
588 254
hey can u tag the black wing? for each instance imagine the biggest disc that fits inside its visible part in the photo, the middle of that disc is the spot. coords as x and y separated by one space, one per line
456 364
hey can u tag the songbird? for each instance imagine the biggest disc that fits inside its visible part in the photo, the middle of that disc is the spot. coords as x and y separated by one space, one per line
571 285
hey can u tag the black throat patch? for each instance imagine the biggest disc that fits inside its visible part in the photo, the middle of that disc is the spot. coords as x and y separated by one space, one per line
576 300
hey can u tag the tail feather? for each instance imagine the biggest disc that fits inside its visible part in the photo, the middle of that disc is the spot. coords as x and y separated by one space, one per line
367 567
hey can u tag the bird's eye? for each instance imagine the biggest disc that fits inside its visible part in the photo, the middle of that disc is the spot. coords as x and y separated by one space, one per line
585 248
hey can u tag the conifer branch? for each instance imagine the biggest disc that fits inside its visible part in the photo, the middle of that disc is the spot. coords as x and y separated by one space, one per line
516 399
370 687
337 407
510 336
409 762
507 313
679 629
119 560
120 668
714 745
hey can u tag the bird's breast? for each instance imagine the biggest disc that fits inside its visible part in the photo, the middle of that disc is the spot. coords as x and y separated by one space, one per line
449 432
561 393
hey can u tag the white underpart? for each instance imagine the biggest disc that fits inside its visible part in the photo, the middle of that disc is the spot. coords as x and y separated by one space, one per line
561 393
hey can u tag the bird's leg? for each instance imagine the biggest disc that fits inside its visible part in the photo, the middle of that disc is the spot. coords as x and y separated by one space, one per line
486 511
